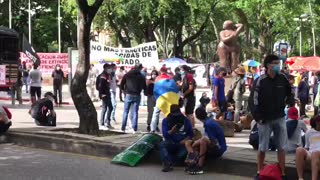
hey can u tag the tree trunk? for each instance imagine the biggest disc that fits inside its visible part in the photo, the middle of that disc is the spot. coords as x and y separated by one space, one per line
86 110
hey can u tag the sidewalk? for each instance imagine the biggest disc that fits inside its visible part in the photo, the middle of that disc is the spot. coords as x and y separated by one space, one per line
240 157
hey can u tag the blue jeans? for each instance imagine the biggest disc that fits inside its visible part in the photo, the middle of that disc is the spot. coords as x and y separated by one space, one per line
171 152
131 101
26 83
155 118
114 104
106 111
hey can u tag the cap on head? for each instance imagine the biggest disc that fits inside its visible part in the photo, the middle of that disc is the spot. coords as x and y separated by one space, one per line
268 59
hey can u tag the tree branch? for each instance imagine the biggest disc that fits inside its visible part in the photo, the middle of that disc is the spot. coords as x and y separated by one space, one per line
95 7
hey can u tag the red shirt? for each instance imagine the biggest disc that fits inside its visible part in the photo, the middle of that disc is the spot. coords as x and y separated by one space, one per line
163 76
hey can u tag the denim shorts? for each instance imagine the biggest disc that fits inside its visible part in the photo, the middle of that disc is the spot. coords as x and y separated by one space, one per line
279 129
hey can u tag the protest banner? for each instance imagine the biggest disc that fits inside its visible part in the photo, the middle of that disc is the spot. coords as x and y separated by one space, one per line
2 74
146 54
48 62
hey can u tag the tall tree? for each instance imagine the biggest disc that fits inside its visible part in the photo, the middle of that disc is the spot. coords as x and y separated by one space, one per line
86 110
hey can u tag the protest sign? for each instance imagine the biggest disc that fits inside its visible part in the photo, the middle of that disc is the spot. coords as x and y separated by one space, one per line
48 62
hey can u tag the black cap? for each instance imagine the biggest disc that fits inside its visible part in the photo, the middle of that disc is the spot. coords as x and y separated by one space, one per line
269 58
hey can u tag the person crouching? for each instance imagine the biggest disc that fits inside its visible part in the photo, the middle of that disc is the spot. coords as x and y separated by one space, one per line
42 111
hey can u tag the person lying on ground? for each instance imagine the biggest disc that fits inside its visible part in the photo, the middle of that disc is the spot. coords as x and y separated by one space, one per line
42 111
212 145
311 152
177 132
5 119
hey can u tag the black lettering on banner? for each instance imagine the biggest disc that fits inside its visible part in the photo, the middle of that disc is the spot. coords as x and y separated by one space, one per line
106 48
154 48
144 54
149 54
99 48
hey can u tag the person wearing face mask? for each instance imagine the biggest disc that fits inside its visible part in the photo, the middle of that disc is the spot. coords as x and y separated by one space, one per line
105 96
113 90
151 102
303 95
57 76
188 92
268 100
219 98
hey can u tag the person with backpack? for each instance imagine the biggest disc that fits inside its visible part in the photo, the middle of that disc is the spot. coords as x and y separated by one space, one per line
42 111
311 151
188 92
269 95
103 83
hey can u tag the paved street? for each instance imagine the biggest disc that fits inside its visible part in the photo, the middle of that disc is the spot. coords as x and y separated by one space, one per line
20 163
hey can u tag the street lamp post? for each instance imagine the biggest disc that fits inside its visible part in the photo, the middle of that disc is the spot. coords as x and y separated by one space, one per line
10 15
59 28
29 15
313 34
302 18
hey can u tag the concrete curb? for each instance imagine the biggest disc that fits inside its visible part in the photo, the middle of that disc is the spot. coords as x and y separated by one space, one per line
108 148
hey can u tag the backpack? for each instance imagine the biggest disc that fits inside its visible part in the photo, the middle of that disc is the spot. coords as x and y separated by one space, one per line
98 82
270 172
254 137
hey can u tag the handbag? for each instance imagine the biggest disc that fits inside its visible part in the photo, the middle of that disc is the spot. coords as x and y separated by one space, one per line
230 93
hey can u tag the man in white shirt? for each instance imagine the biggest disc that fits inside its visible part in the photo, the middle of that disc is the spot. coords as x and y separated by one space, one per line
119 75
35 83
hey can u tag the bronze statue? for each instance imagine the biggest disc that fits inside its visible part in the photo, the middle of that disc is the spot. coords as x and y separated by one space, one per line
228 49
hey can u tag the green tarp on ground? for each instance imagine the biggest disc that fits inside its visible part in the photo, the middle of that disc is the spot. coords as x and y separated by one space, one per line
134 153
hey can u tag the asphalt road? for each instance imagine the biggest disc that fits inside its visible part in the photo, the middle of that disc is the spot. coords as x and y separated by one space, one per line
20 163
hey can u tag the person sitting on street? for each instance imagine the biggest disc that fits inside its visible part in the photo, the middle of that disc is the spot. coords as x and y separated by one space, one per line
212 144
294 127
177 132
311 151
42 111
5 119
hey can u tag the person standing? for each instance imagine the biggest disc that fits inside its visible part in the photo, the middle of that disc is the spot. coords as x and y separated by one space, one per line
132 83
315 91
188 92
17 88
105 96
303 95
119 74
268 110
113 91
151 102
219 98
57 76
238 85
25 75
35 83
93 73
156 110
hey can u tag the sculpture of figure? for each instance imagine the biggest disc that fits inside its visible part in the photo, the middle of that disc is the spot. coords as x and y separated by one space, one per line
228 49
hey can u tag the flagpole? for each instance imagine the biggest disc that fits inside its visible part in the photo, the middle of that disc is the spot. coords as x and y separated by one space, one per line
10 15
29 10
59 27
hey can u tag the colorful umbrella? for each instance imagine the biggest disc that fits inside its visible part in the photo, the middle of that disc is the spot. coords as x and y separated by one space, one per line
307 64
174 61
166 94
251 63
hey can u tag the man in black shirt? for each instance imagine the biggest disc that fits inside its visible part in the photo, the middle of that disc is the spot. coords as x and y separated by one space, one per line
105 96
132 83
42 111
57 76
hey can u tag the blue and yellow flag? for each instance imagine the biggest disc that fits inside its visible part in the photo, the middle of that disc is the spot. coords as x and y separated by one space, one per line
166 93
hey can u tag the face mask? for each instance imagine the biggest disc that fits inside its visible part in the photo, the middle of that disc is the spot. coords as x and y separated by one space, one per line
276 69
182 73
109 71
154 76
58 68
